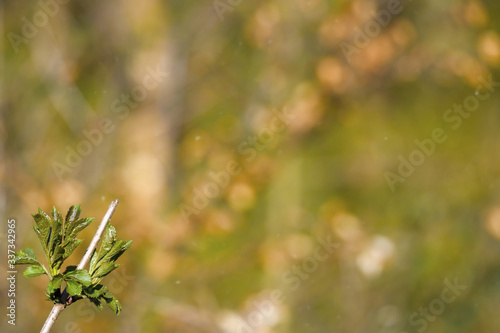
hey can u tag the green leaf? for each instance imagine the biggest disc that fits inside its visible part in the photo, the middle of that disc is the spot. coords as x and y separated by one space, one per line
114 305
28 251
54 289
73 214
105 269
40 238
56 229
25 256
96 302
43 229
124 247
92 291
50 289
80 275
71 218
70 247
73 288
57 281
57 259
115 251
69 268
110 300
108 240
93 262
58 253
76 227
33 271
103 290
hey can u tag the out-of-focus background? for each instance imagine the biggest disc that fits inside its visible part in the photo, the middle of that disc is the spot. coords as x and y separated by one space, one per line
281 166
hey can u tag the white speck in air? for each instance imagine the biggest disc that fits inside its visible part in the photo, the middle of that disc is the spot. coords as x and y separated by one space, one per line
197 138
177 282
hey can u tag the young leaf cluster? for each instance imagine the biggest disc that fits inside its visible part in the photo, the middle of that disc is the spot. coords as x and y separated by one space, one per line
103 262
58 240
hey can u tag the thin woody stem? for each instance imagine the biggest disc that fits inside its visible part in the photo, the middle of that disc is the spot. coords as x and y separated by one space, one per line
58 307
98 235
51 319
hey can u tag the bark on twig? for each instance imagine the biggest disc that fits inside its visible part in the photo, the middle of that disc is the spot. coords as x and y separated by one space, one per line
57 309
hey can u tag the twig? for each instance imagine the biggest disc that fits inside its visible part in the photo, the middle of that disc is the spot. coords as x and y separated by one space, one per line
58 307
98 234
